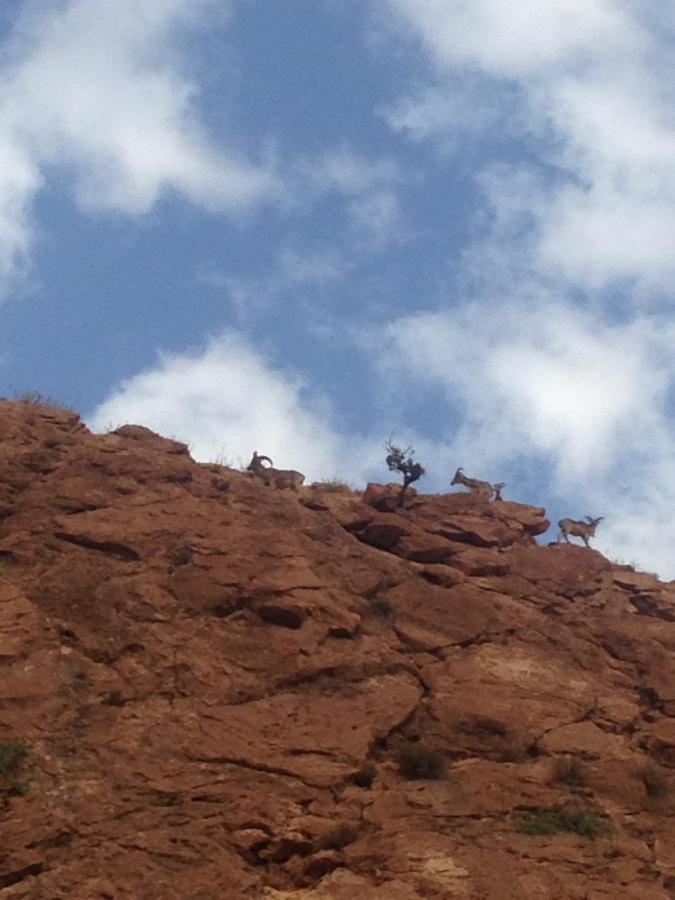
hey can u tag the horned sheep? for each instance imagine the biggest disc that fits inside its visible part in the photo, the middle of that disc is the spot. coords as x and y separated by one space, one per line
475 485
584 530
280 478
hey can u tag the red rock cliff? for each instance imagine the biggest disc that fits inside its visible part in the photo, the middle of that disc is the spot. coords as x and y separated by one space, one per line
228 691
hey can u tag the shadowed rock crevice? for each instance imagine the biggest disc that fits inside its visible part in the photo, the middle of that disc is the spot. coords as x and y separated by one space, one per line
10 878
120 551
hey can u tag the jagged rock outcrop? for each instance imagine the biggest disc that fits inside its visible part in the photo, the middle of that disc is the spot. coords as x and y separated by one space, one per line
214 676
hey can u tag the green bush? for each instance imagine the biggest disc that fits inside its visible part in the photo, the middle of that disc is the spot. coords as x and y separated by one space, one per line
418 762
551 821
400 460
12 757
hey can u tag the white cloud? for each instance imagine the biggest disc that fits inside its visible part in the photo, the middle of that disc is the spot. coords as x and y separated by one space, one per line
563 362
452 111
638 524
299 277
311 268
347 172
99 95
377 217
549 386
592 94
229 400
96 88
368 187
549 377
19 180
516 40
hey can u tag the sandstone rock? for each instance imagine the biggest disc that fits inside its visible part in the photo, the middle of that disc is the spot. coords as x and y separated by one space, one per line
635 581
19 622
443 575
587 739
480 562
386 498
202 673
662 741
383 531
150 439
287 612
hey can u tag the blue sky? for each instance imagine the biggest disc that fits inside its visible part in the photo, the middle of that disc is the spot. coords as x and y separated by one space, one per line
306 227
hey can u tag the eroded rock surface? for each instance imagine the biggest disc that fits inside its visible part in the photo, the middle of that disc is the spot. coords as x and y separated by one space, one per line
214 677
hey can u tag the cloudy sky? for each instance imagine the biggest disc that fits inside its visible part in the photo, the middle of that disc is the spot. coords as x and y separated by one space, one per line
304 227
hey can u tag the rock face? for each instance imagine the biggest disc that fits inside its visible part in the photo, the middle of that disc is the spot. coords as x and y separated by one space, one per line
214 680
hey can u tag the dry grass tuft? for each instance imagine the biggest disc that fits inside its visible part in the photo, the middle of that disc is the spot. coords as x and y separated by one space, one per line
568 770
654 780
419 762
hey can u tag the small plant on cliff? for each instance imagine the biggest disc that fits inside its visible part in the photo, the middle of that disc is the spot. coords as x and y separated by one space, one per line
222 459
12 757
655 782
114 698
336 483
399 460
568 770
180 556
553 821
34 398
380 606
366 775
419 762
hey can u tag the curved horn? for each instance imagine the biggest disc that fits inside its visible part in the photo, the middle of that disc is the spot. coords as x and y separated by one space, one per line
267 458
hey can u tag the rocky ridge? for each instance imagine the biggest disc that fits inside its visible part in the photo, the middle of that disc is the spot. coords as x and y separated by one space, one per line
215 680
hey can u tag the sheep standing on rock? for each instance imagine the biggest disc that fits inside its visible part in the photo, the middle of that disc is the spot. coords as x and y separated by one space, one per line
475 485
280 478
584 530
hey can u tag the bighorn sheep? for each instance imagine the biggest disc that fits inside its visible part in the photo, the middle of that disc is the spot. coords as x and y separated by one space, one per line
499 487
280 478
584 530
475 485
